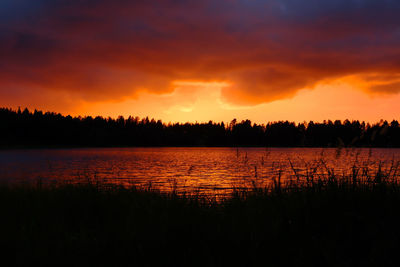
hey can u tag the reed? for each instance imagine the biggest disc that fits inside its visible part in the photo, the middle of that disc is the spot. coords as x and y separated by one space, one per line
320 218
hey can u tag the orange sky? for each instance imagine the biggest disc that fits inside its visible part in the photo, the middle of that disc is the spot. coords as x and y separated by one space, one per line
203 60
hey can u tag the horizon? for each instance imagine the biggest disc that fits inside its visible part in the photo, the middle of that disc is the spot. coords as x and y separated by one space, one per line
226 123
200 132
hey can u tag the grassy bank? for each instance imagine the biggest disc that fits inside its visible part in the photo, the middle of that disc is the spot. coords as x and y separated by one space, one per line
351 221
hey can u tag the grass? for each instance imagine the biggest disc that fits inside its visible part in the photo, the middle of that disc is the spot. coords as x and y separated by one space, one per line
319 219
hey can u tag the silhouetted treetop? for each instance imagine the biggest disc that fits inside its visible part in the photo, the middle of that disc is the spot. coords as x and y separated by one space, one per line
38 129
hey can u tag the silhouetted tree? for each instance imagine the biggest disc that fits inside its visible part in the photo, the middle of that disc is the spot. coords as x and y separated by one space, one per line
38 129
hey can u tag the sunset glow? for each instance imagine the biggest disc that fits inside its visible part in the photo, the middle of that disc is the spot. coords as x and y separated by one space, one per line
203 60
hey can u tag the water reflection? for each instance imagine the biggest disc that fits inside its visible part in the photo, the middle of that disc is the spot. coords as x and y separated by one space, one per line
210 171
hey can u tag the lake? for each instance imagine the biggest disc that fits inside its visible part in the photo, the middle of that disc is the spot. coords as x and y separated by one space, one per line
210 171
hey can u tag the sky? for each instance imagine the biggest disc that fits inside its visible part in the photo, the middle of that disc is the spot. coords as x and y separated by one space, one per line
183 60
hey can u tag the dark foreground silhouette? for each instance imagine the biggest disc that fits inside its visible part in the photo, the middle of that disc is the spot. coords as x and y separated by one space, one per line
324 221
38 129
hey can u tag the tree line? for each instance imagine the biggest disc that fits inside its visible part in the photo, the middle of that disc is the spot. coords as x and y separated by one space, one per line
38 129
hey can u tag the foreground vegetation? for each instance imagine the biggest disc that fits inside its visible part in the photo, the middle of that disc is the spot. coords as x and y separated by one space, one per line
319 220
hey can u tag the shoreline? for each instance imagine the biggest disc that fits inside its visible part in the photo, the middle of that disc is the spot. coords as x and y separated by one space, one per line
232 147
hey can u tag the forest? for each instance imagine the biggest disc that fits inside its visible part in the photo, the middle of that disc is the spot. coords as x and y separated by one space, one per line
37 129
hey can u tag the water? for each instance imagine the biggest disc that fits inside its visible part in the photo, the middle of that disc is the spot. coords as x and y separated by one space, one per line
210 171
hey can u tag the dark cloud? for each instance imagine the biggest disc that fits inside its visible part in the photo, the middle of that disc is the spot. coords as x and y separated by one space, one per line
267 50
387 88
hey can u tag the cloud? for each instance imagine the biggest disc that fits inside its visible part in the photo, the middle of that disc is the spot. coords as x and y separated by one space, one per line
266 50
388 88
